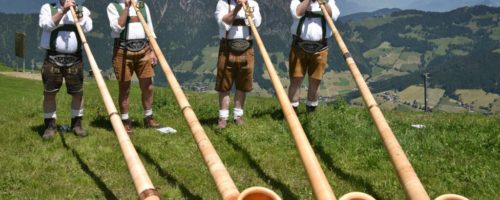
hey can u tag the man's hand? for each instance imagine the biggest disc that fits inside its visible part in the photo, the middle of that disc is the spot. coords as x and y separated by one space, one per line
154 59
128 3
241 2
67 5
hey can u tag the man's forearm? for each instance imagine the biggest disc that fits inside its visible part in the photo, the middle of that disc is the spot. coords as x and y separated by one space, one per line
229 17
301 9
122 21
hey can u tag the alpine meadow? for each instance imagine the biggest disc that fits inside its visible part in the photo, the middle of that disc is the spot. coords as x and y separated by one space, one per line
421 147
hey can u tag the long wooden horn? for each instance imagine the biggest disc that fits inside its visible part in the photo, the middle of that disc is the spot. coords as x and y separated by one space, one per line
406 174
220 175
143 185
317 179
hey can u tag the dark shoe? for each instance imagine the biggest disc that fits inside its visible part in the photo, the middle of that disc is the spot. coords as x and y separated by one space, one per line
239 121
222 123
149 122
311 109
128 125
50 128
76 126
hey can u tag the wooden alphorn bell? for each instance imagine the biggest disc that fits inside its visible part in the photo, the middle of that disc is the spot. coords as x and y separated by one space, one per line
321 188
409 180
220 175
143 185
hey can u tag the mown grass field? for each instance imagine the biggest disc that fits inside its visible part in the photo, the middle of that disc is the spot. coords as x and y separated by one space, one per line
456 153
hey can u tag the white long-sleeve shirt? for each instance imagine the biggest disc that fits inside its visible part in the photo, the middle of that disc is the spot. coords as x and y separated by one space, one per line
312 29
135 30
236 32
66 42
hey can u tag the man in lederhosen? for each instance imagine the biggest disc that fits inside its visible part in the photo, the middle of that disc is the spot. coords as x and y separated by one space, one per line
132 53
309 50
236 56
63 60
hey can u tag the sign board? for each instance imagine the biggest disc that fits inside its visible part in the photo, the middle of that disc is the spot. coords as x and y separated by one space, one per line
20 41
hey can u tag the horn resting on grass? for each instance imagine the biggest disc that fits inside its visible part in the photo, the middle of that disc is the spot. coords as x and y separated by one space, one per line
143 184
220 175
406 174
317 178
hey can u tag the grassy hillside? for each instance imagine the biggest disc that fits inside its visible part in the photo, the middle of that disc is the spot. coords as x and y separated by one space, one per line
456 153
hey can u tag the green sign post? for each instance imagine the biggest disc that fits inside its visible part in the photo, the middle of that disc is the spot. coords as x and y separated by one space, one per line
20 47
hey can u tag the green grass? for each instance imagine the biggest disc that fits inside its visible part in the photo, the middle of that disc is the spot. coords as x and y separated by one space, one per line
444 43
495 33
4 68
456 153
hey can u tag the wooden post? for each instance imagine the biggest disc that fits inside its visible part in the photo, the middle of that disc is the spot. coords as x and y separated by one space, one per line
220 175
143 185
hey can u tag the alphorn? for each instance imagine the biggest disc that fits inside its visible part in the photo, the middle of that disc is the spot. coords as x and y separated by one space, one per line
220 175
411 183
143 184
321 188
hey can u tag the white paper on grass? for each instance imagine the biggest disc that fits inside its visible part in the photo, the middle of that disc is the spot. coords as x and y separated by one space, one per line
167 130
419 126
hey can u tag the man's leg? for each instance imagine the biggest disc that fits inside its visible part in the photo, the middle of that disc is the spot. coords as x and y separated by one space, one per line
239 103
312 94
52 81
49 114
123 93
77 114
49 103
146 85
294 91
223 109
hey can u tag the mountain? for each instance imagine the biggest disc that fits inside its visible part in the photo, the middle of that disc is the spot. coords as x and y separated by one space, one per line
354 6
9 6
446 5
364 15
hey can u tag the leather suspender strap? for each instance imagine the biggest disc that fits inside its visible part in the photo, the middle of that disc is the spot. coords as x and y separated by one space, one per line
134 19
310 14
66 28
236 22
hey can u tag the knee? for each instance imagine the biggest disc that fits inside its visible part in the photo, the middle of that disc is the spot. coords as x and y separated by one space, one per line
49 95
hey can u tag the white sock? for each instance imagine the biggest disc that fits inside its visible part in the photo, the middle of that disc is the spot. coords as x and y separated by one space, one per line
237 112
295 104
76 113
50 115
124 116
312 103
224 114
148 112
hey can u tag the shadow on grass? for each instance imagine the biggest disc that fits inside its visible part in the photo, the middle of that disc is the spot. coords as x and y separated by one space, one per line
330 163
170 179
287 193
102 186
102 121
39 129
275 113
209 121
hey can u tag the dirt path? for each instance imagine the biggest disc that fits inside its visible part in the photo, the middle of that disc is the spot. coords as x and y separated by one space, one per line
26 75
